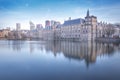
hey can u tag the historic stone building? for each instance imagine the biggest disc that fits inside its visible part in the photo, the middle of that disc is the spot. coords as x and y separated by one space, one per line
90 26
72 29
78 29
87 29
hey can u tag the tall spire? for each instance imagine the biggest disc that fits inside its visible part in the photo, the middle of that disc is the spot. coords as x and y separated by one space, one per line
88 13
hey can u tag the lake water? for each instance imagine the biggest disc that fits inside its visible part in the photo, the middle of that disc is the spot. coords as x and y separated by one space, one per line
45 60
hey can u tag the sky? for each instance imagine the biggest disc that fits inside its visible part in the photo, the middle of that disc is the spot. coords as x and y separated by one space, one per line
37 11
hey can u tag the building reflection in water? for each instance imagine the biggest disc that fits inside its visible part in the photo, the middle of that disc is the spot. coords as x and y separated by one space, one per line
87 51
15 45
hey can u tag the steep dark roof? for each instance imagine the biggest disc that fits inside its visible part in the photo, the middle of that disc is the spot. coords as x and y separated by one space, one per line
74 21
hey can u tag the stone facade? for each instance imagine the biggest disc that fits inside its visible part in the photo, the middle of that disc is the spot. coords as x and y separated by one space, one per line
76 29
87 29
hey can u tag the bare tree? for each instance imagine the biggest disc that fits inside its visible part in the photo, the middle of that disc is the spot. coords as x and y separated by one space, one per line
109 30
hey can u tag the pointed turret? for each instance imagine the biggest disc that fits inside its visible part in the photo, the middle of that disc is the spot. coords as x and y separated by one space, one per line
87 13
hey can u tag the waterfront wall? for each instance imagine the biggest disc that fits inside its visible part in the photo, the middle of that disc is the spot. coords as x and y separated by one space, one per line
108 40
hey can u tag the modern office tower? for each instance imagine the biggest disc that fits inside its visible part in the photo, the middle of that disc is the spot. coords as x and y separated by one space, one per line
47 24
32 25
39 27
18 26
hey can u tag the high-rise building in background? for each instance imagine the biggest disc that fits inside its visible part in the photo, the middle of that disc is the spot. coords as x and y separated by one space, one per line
39 27
80 29
47 24
32 25
18 26
52 22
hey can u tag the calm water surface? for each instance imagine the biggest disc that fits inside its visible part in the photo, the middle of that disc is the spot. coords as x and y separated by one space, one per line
41 60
